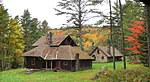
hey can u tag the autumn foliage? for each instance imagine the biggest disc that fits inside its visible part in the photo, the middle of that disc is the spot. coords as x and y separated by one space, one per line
91 36
136 30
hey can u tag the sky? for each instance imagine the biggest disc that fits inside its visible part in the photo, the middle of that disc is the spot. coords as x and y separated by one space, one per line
42 9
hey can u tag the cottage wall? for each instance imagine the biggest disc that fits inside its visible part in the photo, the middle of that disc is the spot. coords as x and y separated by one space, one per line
117 58
99 56
85 64
34 62
67 65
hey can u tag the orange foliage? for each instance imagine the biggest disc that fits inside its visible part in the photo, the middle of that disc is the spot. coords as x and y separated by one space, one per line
58 33
136 30
87 45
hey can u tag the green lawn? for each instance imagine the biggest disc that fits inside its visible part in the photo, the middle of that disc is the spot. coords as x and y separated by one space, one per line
18 75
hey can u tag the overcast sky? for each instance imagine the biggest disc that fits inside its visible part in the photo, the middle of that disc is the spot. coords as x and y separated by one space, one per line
41 9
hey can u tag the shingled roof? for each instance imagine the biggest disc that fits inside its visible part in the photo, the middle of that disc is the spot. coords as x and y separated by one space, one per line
56 40
56 50
104 49
63 52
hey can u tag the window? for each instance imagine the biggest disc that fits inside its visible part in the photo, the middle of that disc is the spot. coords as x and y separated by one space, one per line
97 51
65 63
94 57
33 61
102 57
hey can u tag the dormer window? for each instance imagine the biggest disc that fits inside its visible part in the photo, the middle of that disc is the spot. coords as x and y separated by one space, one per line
66 42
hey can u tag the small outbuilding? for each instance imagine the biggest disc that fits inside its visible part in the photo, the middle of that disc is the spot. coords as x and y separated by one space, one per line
57 53
105 54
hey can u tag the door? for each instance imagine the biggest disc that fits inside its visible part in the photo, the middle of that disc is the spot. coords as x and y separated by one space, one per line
57 65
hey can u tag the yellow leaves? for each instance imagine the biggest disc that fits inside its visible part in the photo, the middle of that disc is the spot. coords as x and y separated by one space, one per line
87 45
58 33
15 37
90 35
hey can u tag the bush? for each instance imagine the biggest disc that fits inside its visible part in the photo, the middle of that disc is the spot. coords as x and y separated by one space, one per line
131 75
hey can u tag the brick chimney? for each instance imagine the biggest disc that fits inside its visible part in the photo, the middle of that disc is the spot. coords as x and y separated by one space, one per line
49 38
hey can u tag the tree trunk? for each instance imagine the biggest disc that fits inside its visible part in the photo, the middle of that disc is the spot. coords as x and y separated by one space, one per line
2 59
80 25
112 42
148 30
121 25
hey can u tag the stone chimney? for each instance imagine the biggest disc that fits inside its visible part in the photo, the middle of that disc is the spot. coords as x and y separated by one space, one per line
49 38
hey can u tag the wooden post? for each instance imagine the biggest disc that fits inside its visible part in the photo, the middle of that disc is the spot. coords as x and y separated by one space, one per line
77 61
46 64
51 65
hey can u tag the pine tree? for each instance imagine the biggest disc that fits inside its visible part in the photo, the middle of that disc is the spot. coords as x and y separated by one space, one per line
31 29
4 20
44 27
34 31
78 12
26 24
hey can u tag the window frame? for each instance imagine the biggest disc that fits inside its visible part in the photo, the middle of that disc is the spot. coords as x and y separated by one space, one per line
102 57
65 63
33 61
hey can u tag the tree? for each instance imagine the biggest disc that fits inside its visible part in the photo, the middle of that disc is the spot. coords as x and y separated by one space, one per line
147 16
44 27
79 12
4 21
34 31
31 29
136 29
11 43
26 24
15 43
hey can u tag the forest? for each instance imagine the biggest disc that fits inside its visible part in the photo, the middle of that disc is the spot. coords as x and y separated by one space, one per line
126 29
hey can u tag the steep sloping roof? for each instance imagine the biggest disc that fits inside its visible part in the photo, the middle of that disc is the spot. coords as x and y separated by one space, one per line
104 49
63 52
56 40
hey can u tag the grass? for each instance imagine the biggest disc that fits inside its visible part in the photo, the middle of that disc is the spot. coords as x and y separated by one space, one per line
18 75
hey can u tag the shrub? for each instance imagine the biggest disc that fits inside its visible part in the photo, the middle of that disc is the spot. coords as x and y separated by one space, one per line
141 74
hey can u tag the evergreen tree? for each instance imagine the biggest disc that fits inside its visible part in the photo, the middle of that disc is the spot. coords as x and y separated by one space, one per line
26 24
34 31
131 11
44 27
4 21
31 29
78 12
